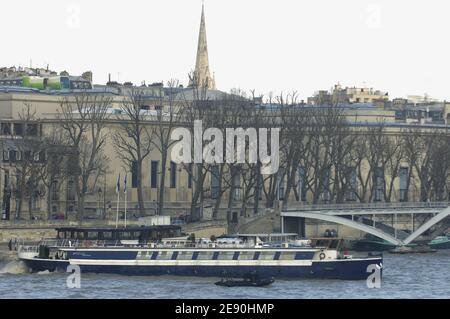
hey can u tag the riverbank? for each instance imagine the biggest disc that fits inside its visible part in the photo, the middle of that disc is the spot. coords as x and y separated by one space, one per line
6 255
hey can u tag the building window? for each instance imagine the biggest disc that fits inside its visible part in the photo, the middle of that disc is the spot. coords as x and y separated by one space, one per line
18 129
215 182
280 184
403 177
350 194
258 189
6 184
37 156
17 155
34 201
134 174
32 129
6 128
237 185
154 174
70 192
190 172
54 190
379 184
302 185
326 186
42 157
173 175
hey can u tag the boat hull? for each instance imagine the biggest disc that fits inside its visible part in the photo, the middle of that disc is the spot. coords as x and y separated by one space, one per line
38 264
440 243
346 269
371 245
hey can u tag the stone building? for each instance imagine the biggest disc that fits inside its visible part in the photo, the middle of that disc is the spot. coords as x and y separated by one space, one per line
58 199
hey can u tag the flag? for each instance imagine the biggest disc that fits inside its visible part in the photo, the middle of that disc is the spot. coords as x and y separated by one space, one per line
118 185
125 184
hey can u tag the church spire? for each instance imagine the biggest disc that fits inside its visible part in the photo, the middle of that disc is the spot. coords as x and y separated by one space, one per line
202 75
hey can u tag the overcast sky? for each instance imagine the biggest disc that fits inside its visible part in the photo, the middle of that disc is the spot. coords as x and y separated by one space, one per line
399 46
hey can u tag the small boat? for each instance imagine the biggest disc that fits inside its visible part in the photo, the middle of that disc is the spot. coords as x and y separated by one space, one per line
250 280
441 242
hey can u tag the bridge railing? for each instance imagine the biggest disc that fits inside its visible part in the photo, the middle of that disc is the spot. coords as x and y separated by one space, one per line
367 206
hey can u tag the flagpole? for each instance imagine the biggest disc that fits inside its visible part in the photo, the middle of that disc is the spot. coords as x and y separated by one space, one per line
118 201
125 208
126 190
117 215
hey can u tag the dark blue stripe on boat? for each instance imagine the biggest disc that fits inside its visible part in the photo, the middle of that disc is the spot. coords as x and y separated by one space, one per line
350 270
304 255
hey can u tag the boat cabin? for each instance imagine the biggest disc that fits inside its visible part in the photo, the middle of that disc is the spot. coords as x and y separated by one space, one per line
141 234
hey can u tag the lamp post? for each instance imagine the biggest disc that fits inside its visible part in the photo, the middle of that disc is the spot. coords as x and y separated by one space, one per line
99 198
104 197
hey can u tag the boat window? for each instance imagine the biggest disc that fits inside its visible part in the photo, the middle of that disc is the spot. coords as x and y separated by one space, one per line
246 255
185 255
226 255
334 244
205 255
107 235
322 243
287 256
304 255
144 255
126 235
92 235
164 255
266 255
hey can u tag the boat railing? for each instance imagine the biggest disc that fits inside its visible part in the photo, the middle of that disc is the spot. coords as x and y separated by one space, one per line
28 249
78 243
201 245
71 243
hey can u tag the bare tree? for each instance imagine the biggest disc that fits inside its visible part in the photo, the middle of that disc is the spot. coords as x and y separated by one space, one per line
169 111
83 118
24 151
53 174
133 139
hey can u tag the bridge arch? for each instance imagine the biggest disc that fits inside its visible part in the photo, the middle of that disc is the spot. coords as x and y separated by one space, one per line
346 222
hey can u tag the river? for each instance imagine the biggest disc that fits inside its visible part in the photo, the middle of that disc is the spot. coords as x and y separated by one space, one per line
404 276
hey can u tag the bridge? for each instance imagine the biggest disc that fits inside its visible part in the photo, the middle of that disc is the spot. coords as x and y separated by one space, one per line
426 221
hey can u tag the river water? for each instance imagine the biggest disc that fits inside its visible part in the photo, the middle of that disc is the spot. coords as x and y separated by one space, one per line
404 276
